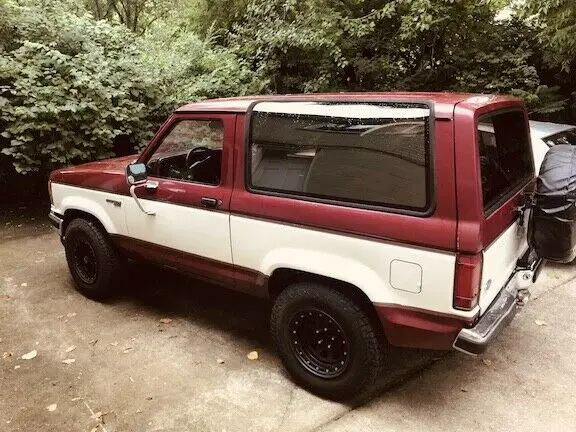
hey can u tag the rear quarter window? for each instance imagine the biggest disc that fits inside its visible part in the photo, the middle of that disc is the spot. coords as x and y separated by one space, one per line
505 155
359 154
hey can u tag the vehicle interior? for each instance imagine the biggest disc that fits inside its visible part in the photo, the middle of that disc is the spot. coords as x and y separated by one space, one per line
366 161
191 151
567 137
505 154
200 164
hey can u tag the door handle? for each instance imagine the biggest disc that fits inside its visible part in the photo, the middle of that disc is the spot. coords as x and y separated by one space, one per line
151 186
209 202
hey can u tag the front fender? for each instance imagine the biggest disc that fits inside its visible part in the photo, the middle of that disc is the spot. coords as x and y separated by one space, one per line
89 201
92 208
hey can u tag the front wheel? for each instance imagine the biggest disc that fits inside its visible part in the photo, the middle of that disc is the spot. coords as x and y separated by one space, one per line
326 341
92 260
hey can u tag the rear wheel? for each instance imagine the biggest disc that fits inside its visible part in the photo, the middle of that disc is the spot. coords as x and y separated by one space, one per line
92 260
326 341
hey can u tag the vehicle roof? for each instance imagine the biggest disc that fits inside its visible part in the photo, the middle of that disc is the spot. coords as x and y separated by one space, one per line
542 130
241 104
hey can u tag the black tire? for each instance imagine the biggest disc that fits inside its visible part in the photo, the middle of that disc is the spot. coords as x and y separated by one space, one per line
361 364
91 258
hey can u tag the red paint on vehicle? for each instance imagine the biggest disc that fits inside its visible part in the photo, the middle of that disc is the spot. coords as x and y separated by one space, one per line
449 228
457 223
444 102
475 230
189 193
412 328
227 275
106 175
436 231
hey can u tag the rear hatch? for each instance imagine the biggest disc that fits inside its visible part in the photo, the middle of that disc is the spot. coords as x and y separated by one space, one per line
507 171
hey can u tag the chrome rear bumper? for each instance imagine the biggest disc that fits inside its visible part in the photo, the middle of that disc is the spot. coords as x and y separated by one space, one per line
515 294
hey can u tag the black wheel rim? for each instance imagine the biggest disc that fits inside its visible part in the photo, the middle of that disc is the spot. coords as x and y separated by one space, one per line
85 262
319 343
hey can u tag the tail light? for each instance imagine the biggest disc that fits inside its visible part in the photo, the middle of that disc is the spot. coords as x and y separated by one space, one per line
467 281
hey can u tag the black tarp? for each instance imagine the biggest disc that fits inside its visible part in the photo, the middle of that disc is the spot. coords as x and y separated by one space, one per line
553 218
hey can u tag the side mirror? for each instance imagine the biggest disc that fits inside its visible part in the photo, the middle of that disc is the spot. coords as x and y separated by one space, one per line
136 174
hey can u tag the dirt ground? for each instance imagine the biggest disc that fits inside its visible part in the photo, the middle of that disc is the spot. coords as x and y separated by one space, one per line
132 372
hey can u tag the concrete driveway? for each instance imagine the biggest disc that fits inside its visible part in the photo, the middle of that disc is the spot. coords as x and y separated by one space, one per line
133 373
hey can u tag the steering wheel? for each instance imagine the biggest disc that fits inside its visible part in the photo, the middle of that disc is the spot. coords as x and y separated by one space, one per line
196 155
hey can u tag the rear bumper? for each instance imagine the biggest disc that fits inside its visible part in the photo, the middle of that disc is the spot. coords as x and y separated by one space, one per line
56 221
418 328
476 339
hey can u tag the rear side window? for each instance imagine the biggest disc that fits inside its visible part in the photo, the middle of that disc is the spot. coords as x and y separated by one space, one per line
505 155
375 154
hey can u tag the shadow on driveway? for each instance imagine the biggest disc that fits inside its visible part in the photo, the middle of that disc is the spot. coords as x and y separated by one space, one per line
168 293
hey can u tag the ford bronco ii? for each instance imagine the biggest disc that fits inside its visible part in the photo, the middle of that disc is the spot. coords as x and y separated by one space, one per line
368 220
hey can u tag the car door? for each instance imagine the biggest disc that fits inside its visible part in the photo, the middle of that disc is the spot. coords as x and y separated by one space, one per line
189 185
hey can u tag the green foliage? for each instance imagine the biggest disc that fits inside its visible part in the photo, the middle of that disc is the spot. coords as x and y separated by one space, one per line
294 44
324 45
136 15
188 68
68 89
556 21
71 87
214 17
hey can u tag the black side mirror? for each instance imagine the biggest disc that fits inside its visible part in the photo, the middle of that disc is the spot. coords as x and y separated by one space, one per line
136 173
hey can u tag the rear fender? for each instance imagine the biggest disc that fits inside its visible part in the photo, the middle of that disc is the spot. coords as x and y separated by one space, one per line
328 265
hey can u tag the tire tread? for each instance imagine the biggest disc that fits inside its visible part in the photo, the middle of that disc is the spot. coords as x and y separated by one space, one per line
108 265
374 346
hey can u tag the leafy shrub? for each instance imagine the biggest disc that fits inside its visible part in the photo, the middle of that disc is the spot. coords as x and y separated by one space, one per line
187 68
72 87
555 21
69 87
320 45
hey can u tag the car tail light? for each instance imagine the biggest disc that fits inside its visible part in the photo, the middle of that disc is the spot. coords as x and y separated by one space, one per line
467 281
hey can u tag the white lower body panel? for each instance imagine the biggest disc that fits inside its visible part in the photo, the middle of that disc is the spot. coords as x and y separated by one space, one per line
388 273
499 262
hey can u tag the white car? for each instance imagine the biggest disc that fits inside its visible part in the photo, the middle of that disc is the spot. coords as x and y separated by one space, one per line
545 135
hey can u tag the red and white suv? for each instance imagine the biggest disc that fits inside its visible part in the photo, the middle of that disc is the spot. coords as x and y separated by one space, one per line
366 219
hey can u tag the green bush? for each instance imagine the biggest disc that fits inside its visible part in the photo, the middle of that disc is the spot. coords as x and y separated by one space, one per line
187 68
74 88
69 87
321 45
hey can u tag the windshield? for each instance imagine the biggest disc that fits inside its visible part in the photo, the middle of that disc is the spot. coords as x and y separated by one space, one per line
566 137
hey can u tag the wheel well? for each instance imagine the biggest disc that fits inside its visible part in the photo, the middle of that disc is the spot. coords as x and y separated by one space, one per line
284 277
72 214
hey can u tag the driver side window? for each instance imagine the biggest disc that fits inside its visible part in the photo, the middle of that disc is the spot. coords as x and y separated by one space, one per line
191 151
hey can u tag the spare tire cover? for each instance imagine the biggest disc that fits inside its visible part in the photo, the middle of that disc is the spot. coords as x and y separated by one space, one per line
552 231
